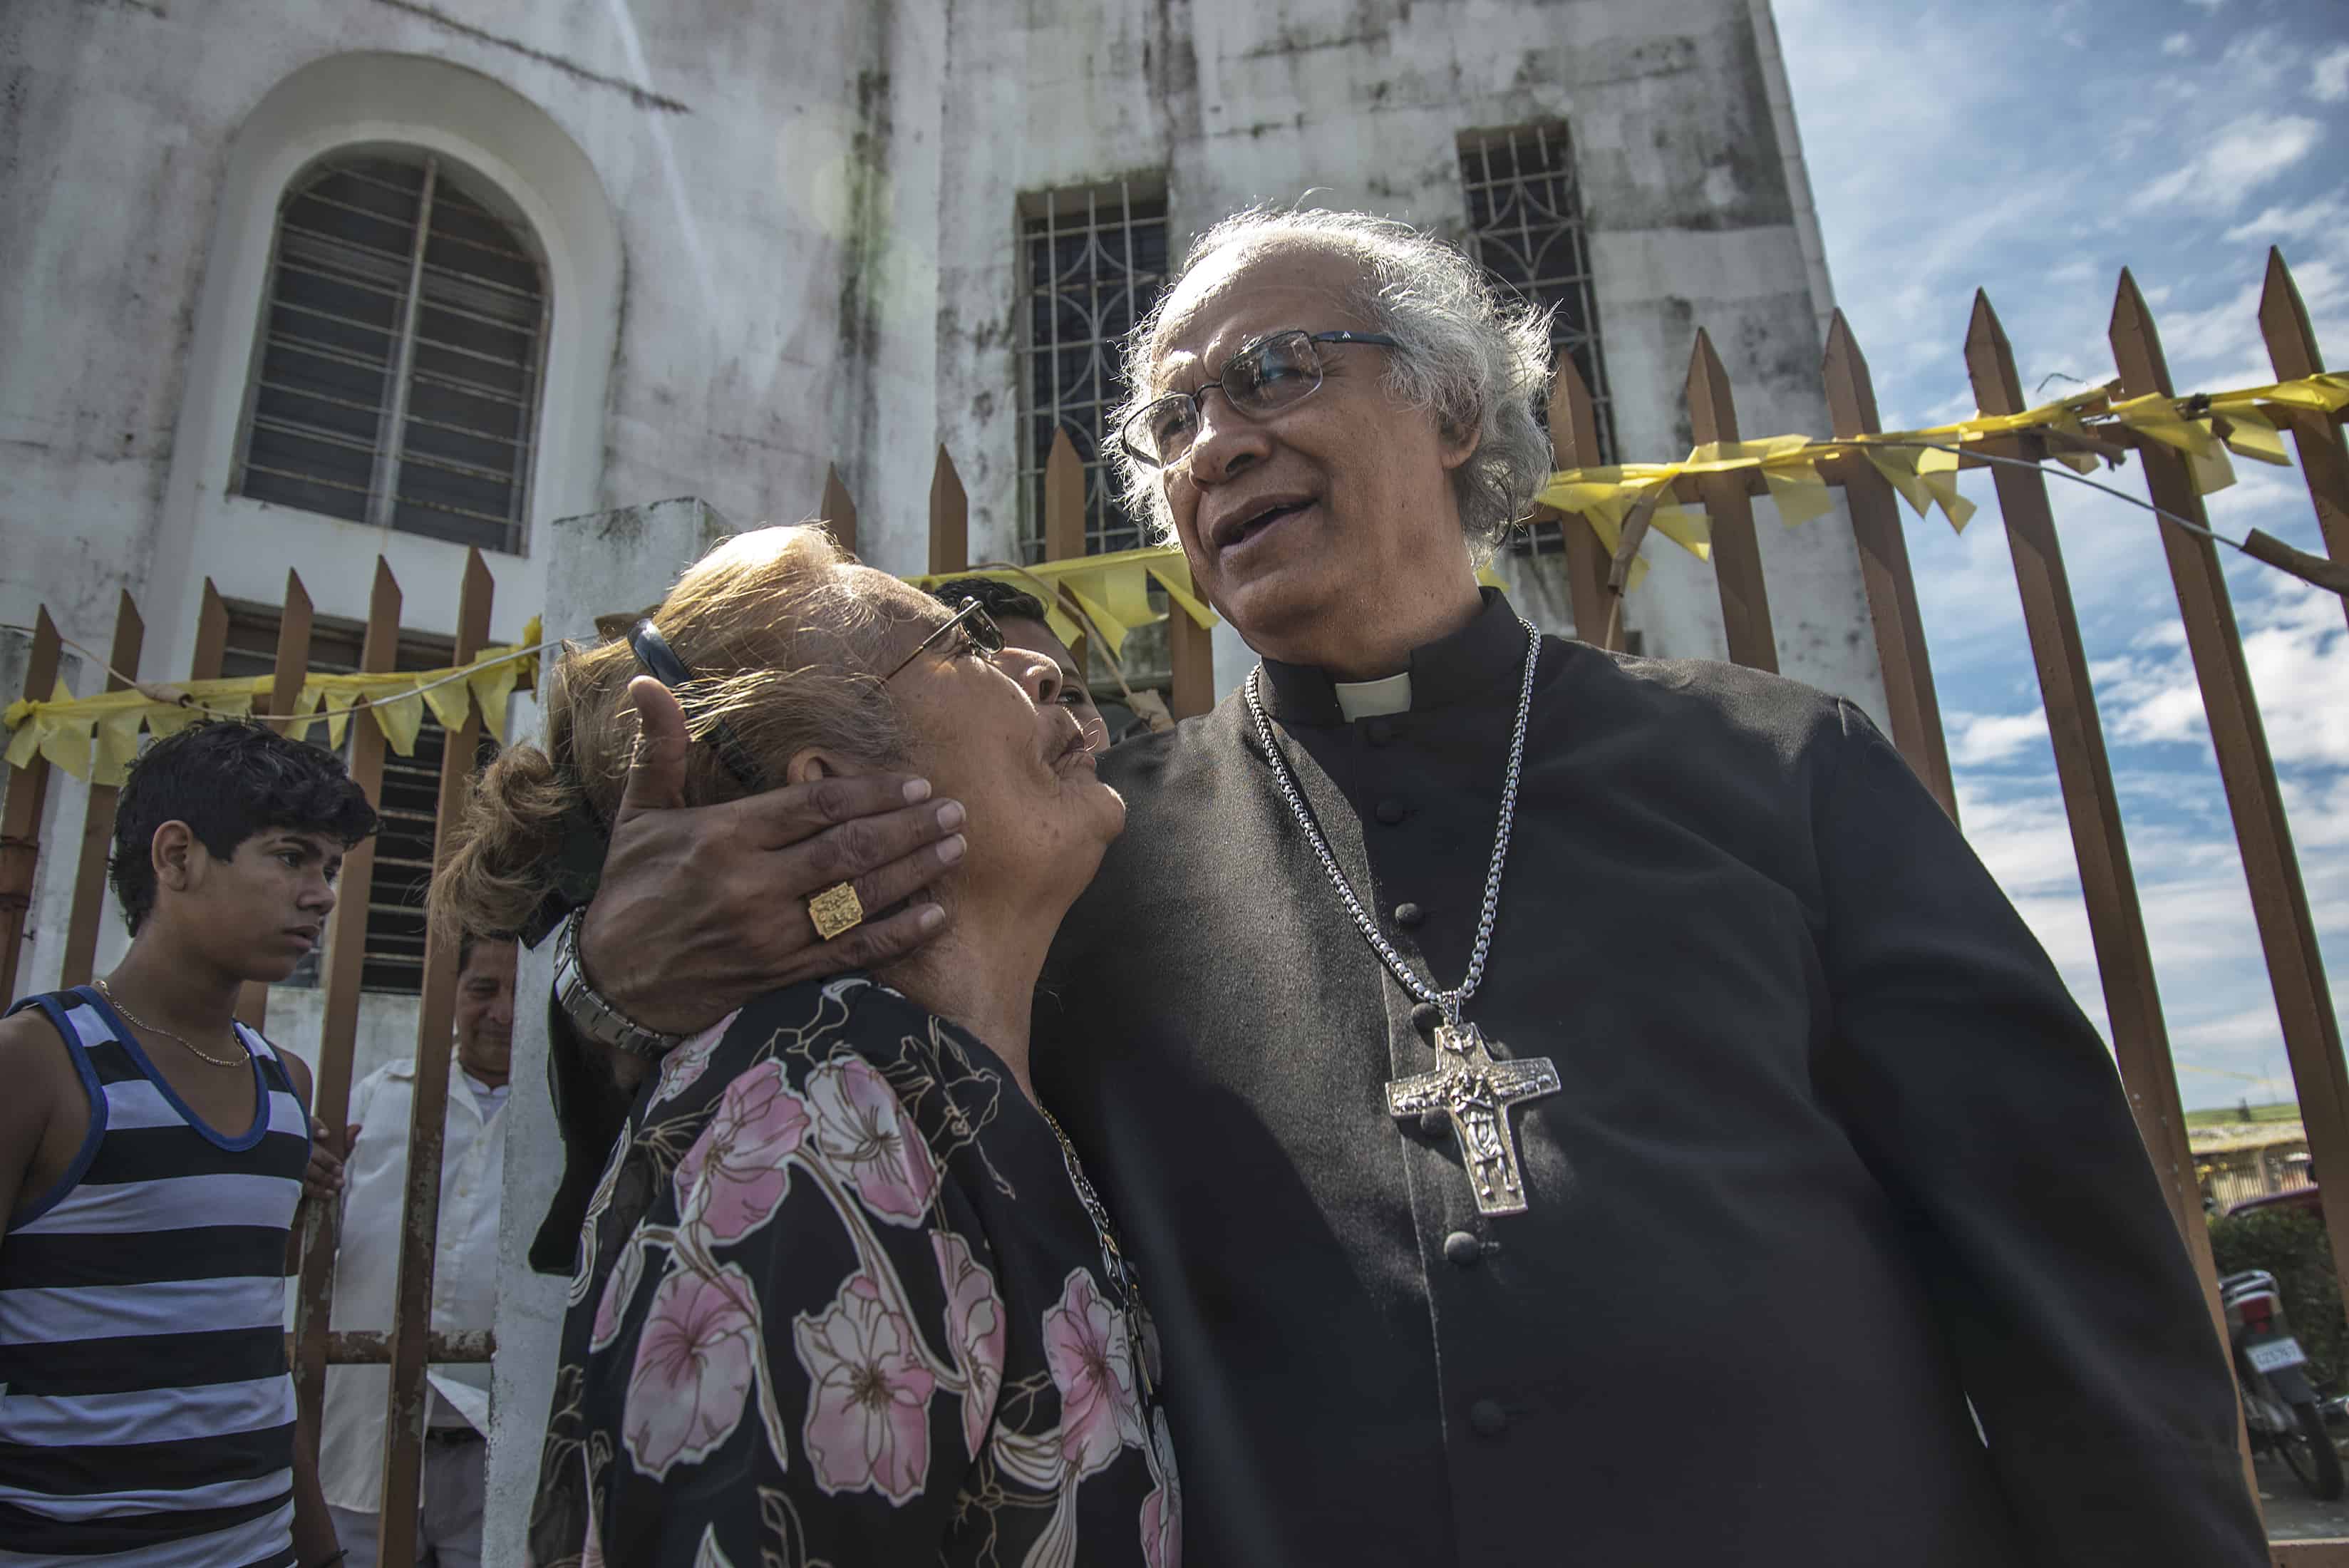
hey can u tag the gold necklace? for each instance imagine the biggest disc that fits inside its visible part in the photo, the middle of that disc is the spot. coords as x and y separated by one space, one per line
115 1002
1126 1289
1121 1272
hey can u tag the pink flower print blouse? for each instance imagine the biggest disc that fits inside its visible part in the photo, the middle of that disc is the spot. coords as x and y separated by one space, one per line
837 1301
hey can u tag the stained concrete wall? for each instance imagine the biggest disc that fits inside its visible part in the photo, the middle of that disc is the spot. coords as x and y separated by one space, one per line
814 245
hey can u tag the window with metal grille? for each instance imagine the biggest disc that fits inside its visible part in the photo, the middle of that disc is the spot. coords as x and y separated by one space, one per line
408 803
1094 262
396 377
1525 225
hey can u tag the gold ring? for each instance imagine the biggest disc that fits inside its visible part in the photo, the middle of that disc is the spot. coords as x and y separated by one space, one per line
835 911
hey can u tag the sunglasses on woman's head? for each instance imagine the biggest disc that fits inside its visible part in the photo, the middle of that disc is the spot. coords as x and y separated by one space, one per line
976 628
660 662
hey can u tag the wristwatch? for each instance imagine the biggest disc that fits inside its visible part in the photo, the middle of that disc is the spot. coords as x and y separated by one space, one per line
590 1014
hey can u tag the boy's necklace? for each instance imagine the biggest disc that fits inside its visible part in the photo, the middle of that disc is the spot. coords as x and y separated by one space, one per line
115 1002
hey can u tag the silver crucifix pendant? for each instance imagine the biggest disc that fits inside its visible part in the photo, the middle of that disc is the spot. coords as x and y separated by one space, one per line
1476 1093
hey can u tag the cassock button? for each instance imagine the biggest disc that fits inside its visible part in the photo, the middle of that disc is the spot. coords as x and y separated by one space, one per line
1379 732
1461 1249
1486 1418
1424 1017
1389 810
1434 1124
1408 916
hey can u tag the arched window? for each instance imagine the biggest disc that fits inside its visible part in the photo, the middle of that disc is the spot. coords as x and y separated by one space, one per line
395 380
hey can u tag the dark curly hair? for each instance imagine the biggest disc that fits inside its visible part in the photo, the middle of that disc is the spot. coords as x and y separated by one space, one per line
995 595
227 780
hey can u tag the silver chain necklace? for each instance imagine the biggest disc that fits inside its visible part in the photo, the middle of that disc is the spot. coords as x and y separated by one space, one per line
1469 1086
1454 1002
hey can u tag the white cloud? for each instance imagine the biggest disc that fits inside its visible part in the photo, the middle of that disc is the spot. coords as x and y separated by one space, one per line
2328 76
2233 163
2175 44
2204 942
2206 5
2321 216
2298 653
1979 739
2298 661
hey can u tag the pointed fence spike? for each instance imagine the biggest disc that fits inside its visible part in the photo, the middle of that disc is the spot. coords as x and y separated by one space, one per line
344 970
838 512
1574 443
419 1213
1990 361
1713 408
2283 323
2137 343
2324 455
1729 503
950 518
212 635
1851 393
293 654
1890 583
23 792
2230 709
2125 969
1573 418
84 915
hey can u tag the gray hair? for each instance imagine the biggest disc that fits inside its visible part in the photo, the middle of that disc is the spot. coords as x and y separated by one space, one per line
1474 357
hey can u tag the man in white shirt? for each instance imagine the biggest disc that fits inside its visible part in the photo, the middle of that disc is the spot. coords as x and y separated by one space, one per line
464 1276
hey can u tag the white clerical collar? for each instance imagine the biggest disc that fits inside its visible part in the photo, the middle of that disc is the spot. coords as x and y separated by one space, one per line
1359 700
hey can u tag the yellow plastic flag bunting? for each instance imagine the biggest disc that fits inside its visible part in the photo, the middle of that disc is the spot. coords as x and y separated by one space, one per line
1112 590
96 738
2203 430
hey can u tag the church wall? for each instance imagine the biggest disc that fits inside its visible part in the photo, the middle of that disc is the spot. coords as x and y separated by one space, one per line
818 238
1696 205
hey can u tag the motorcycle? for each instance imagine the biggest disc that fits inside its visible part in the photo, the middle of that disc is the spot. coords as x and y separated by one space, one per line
2280 1405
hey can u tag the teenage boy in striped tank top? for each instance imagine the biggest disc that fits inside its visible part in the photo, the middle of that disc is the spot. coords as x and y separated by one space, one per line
151 1154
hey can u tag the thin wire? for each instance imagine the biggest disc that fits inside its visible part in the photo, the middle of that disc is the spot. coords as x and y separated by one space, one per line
2062 473
2038 467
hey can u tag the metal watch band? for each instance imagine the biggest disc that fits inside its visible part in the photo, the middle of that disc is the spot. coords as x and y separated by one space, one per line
590 1014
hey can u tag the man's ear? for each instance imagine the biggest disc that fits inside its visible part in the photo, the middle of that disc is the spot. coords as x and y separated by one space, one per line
1459 443
176 855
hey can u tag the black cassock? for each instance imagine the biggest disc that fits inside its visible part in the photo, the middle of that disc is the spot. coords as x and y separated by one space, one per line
1834 1151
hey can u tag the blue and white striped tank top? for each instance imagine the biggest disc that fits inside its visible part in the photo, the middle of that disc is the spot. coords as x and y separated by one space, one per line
146 1412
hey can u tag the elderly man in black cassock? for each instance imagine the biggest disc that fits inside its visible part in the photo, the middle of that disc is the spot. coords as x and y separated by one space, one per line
1567 1107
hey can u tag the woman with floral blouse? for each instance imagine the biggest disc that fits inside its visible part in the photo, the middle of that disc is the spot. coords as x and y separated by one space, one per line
844 1294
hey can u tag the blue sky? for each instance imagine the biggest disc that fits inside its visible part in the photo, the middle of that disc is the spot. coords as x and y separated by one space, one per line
2032 150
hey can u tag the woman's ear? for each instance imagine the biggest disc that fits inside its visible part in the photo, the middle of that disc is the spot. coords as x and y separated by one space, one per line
815 763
